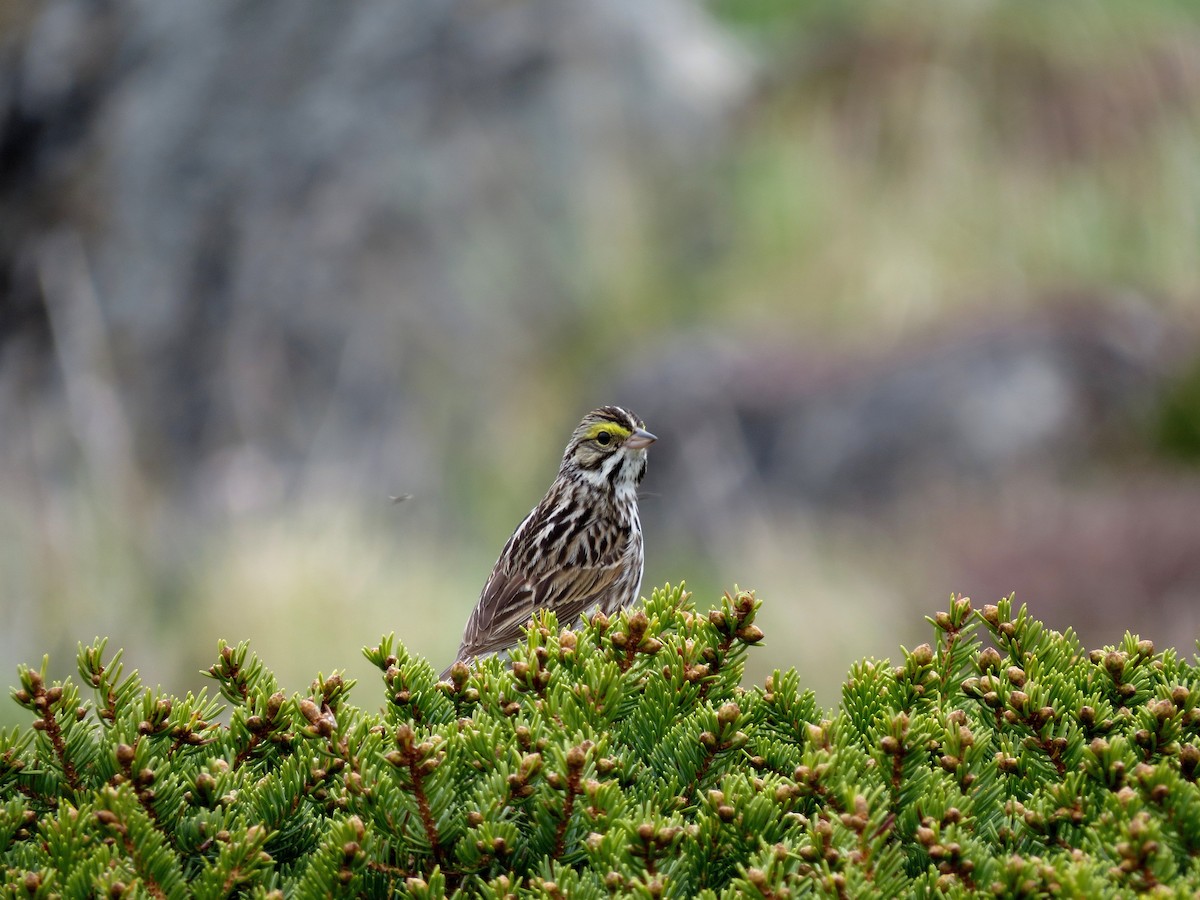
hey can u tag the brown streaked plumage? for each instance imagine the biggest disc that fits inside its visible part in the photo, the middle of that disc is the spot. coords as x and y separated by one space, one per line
580 547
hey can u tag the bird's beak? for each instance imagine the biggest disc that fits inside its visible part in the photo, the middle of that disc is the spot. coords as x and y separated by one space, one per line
639 439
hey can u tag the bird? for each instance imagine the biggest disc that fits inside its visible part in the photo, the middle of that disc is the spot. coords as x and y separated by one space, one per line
580 547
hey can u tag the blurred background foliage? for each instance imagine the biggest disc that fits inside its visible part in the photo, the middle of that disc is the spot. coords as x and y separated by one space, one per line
908 291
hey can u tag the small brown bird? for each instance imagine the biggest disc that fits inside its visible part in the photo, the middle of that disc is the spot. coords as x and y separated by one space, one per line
580 547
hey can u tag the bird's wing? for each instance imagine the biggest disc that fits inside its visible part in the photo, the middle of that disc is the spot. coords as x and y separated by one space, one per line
509 600
506 605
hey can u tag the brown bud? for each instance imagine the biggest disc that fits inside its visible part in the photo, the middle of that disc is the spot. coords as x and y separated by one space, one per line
1189 761
1114 661
728 714
1163 710
309 710
989 660
1007 764
750 634
922 655
744 603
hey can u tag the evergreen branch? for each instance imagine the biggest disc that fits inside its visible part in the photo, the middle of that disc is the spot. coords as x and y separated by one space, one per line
35 695
419 761
727 737
140 781
1021 713
247 750
1067 773
427 821
895 746
735 623
634 640
711 749
47 800
953 625
113 823
576 758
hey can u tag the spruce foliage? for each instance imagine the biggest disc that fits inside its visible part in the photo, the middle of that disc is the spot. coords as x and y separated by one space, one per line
621 758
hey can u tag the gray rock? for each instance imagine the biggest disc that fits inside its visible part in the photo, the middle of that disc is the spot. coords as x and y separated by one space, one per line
300 228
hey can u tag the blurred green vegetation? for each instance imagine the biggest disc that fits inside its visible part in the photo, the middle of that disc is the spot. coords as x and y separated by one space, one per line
907 160
1179 418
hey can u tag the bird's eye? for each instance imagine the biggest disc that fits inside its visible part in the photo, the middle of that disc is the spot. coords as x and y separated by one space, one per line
603 438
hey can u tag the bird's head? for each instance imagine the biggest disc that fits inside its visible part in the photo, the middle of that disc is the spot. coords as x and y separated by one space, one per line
608 449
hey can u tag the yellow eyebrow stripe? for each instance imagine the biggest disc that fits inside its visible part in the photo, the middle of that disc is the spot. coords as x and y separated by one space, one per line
618 431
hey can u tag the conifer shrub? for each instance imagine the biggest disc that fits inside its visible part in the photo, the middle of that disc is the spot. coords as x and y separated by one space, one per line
622 758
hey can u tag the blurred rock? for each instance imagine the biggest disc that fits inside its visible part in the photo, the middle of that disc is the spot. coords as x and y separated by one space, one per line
791 429
300 229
